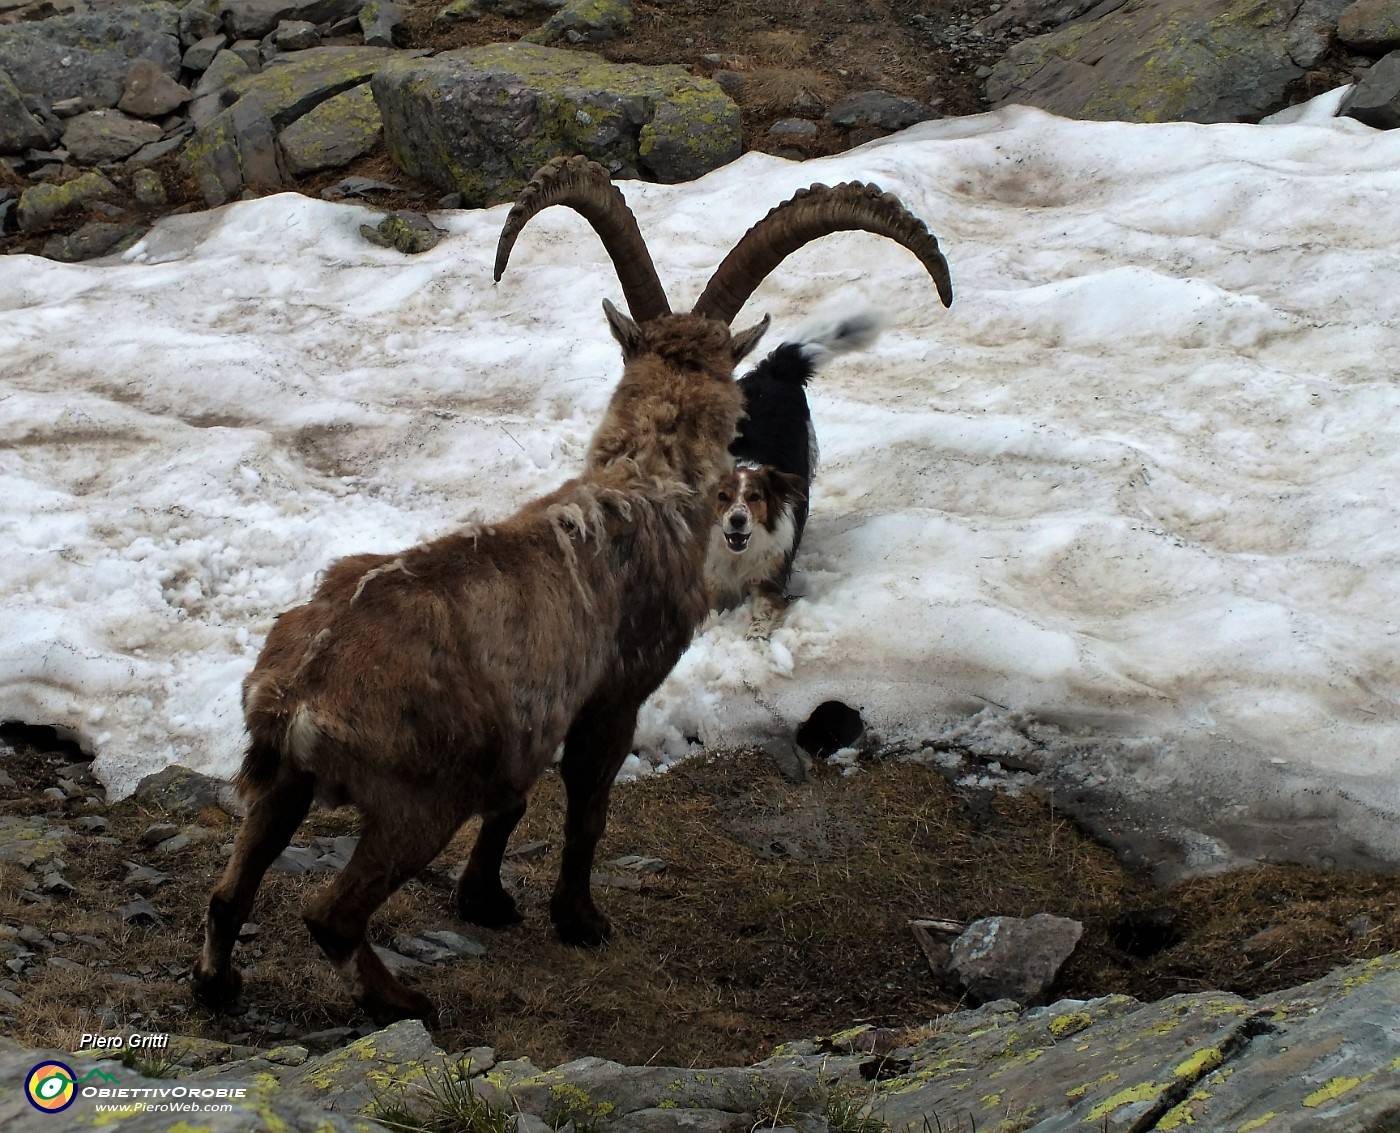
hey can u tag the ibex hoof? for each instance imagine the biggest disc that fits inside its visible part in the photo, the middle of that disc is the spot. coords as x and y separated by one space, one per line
587 931
490 910
216 989
405 1005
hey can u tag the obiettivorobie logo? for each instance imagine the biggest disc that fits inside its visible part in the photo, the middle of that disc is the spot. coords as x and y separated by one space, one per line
51 1086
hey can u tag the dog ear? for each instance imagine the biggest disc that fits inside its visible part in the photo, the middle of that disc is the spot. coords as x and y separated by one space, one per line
787 486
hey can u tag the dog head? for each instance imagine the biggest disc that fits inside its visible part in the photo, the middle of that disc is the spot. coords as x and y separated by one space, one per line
752 498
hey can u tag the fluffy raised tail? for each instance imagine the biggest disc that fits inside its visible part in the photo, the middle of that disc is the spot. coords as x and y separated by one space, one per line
819 340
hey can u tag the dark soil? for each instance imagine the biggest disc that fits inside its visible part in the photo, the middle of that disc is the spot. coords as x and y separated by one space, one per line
782 913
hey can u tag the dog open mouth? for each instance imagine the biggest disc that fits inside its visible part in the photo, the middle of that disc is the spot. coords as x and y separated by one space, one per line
737 540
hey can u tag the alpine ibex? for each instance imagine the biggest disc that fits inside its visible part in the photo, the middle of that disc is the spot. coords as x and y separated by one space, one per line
431 685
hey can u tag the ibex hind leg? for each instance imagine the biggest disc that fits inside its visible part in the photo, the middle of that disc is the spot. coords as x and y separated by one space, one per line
480 898
390 851
273 818
594 750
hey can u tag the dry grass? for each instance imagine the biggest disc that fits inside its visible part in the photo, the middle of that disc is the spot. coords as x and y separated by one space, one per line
783 912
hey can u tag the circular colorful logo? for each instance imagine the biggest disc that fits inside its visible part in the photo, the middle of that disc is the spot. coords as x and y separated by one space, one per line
49 1087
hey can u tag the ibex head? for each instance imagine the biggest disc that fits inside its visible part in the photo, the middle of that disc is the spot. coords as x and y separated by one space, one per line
585 186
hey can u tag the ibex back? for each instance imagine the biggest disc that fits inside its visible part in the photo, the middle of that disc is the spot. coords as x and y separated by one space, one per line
438 683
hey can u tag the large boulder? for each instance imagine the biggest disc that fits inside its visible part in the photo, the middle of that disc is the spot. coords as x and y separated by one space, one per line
253 19
19 129
1372 26
334 134
1164 60
88 55
482 120
1376 98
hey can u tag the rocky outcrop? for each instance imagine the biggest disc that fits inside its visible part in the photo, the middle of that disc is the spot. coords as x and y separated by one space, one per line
1158 61
481 120
1376 99
1370 26
1322 1056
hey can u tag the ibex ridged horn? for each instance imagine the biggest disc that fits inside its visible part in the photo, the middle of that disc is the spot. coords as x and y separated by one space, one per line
586 187
809 214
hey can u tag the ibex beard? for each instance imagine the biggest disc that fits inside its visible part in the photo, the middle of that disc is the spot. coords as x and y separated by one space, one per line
436 684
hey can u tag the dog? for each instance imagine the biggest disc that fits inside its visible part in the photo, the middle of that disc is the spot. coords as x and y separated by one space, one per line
761 506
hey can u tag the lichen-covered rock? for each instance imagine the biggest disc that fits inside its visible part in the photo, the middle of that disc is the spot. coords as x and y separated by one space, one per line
19 129
88 54
482 120
291 85
200 54
333 134
41 205
1376 98
585 21
30 842
178 790
1372 26
383 24
878 108
474 9
1161 60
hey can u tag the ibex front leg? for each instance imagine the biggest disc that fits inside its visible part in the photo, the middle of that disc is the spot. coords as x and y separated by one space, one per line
481 898
596 745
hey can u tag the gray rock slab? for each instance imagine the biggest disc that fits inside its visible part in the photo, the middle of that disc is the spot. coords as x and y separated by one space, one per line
96 238
482 120
296 35
1163 60
19 129
88 54
177 790
1376 98
201 53
877 108
332 134
292 85
1370 26
383 24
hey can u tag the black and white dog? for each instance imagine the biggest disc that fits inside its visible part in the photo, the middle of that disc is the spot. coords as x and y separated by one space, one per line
761 506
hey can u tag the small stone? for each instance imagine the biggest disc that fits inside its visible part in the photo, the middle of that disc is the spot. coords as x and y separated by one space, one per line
528 851
144 879
201 54
71 107
424 951
1013 958
32 935
92 823
794 128
150 92
249 930
64 963
17 965
139 912
637 863
55 882
296 35
297 860
409 232
54 793
5 780
175 844
395 962
455 942
147 188
247 50
159 832
10 999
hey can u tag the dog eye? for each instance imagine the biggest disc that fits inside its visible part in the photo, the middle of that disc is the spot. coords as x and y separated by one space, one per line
725 497
754 497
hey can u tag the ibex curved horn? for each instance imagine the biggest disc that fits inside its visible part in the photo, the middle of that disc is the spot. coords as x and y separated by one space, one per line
812 213
585 187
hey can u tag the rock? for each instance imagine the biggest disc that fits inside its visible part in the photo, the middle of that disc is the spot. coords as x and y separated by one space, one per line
1035 14
19 129
585 21
88 54
291 86
877 108
178 790
150 92
1011 958
200 20
333 134
218 77
297 860
139 912
39 207
237 150
142 878
794 128
1375 100
92 824
149 190
637 863
1159 60
296 35
482 120
96 238
454 942
357 187
1370 26
253 19
158 832
202 52
383 24
475 9
55 882
157 150
409 232
250 51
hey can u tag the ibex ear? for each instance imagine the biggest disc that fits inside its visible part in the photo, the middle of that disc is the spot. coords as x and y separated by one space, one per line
627 333
741 343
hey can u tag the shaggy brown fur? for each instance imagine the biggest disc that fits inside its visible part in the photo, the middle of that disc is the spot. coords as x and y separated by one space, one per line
435 684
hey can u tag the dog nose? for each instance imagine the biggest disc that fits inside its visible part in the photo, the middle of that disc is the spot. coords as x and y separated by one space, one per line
738 521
